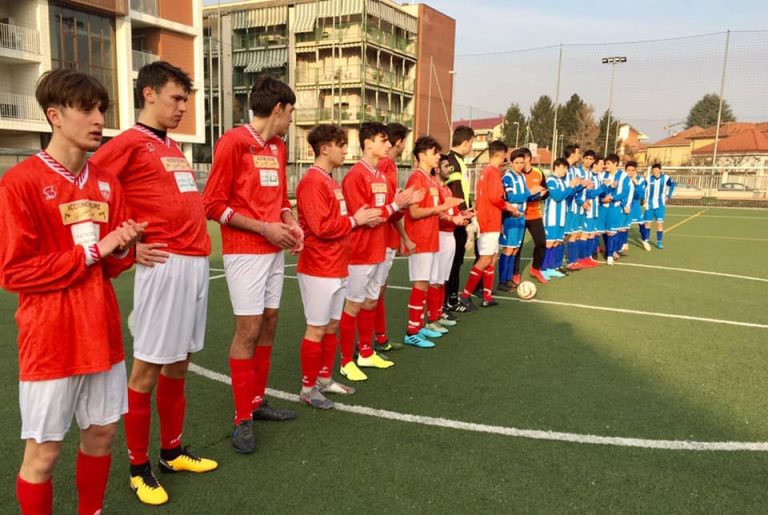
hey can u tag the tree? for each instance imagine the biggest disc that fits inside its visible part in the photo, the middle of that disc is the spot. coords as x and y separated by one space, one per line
704 112
587 133
600 140
542 121
568 118
514 126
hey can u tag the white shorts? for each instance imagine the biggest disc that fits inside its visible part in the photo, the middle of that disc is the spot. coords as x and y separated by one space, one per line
170 304
445 256
323 298
423 267
382 273
255 282
488 243
365 282
47 407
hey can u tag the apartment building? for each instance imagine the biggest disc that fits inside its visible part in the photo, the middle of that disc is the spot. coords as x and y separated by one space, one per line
349 61
109 39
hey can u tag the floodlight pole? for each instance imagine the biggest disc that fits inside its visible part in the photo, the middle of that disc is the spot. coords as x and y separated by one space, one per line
613 61
720 108
557 105
517 133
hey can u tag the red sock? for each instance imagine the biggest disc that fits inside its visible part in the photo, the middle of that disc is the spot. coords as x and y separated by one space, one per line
171 406
241 371
34 498
347 337
262 359
311 357
380 322
91 477
475 275
488 282
416 310
329 344
365 321
442 298
137 422
434 303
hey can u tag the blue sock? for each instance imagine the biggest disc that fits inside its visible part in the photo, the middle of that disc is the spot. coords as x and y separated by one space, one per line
605 243
583 249
595 245
559 257
503 264
659 235
611 245
572 249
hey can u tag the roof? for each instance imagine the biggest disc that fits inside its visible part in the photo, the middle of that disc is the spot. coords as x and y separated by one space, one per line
752 141
543 157
726 129
480 123
682 138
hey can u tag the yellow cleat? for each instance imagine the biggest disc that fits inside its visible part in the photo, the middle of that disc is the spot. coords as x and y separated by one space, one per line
188 462
352 372
374 361
148 490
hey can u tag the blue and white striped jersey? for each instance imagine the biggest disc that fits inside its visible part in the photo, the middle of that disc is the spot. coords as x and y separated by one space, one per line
515 189
594 194
576 199
658 191
639 193
623 192
557 201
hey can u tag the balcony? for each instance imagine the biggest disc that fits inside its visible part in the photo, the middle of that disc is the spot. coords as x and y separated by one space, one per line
141 59
145 6
401 44
20 107
112 6
308 76
343 114
21 39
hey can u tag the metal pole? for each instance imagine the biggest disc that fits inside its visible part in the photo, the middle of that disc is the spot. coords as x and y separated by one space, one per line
722 87
610 106
557 103
517 133
429 96
221 75
210 83
616 142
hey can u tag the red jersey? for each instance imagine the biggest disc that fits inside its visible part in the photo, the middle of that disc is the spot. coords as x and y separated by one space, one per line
248 178
445 193
490 200
68 316
159 187
326 223
388 169
364 185
424 231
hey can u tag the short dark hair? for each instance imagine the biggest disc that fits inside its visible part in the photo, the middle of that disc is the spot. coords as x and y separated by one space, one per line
630 163
326 134
396 132
612 158
158 74
517 153
423 144
570 150
656 165
526 151
461 134
69 88
266 93
598 157
369 130
444 157
589 153
496 146
560 161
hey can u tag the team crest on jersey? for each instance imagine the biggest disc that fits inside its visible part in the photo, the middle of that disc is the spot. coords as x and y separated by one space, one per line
105 190
49 192
150 147
252 149
273 148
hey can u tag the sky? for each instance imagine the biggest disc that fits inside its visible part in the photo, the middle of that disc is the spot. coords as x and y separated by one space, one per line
655 88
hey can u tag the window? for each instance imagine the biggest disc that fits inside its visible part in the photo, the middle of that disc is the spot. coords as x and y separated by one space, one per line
84 42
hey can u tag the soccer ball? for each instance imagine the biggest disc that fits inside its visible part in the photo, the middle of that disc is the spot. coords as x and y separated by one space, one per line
526 290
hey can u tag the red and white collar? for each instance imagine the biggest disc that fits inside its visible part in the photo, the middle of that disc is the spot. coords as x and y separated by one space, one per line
62 170
147 132
256 135
368 167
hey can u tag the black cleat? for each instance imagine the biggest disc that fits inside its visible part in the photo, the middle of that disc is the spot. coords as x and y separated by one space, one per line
447 315
267 412
505 287
243 437
489 303
465 306
564 270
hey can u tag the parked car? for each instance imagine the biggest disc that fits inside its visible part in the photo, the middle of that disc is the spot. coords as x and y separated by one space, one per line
687 186
734 186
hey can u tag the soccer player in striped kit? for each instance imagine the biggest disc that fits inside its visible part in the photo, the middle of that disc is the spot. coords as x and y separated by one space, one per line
638 197
323 264
594 223
65 236
658 191
615 202
247 194
170 296
555 213
575 217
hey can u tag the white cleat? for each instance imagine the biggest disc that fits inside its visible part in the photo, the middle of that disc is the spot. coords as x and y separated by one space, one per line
609 260
646 246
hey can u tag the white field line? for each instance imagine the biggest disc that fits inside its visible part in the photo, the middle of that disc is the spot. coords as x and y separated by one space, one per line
705 236
533 434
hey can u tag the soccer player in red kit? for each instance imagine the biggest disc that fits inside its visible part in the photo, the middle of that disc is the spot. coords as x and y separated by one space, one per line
248 195
397 239
170 295
65 235
422 222
364 185
322 267
489 204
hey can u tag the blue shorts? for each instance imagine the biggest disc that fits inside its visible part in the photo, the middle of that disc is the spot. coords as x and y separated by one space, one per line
615 218
603 223
554 232
512 232
593 225
574 222
655 214
636 212
627 218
